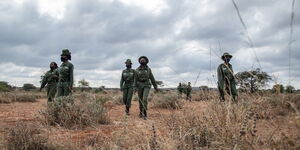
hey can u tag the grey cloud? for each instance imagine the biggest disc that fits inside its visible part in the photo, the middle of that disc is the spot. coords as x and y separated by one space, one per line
103 34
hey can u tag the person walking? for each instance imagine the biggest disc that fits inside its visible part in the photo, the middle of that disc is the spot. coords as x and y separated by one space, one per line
126 85
50 79
143 81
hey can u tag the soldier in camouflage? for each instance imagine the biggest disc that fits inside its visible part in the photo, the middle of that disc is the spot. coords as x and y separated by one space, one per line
65 82
50 79
226 80
126 85
180 89
189 92
142 81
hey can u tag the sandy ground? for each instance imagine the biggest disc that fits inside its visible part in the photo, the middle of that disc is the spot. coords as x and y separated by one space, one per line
121 124
10 114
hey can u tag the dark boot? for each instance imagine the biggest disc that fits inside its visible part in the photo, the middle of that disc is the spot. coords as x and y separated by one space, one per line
127 110
141 114
234 99
222 99
145 115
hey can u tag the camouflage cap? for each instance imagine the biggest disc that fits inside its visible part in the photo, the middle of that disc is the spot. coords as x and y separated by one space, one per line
65 52
226 54
147 60
128 61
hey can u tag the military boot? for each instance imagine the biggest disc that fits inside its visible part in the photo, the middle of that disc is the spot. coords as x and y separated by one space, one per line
127 111
141 114
234 99
145 115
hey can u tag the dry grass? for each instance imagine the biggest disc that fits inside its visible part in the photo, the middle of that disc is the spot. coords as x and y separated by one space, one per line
10 97
257 121
168 101
118 99
71 113
28 137
203 95
234 126
189 131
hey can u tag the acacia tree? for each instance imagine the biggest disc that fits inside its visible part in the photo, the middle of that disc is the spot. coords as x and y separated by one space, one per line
289 89
278 88
204 88
83 84
4 86
28 87
252 80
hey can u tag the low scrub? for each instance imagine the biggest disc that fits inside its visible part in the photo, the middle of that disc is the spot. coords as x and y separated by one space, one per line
235 125
189 131
118 99
273 105
220 126
11 97
168 101
25 137
75 113
102 99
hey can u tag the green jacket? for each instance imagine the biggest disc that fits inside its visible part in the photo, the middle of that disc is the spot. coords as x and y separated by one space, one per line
179 88
143 77
127 78
50 78
66 73
188 89
225 72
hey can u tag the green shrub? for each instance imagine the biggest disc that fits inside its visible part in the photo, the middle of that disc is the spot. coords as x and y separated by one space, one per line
28 87
4 86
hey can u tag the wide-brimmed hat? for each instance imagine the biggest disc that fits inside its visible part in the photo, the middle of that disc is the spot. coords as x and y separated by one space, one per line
128 61
226 54
65 52
147 60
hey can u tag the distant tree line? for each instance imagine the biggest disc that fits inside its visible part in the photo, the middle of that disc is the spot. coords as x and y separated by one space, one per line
247 81
252 81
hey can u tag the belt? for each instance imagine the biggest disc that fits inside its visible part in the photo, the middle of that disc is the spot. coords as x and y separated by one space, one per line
62 80
146 80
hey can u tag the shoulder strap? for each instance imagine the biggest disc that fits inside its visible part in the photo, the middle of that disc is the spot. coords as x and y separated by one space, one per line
148 69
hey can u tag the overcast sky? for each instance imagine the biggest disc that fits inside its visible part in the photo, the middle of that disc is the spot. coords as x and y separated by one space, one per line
176 35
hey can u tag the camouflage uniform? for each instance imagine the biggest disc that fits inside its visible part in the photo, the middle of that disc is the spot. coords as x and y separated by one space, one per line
143 77
126 85
65 82
189 92
226 80
50 79
180 89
